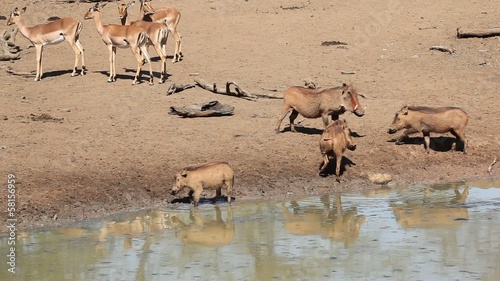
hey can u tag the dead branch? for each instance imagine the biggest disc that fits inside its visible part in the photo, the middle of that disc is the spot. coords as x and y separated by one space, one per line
237 92
178 88
442 49
490 168
464 32
20 73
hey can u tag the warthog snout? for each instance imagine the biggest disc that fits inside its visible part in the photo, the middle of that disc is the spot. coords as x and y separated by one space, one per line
359 111
174 190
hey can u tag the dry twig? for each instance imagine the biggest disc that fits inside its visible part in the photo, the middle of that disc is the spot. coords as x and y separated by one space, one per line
490 168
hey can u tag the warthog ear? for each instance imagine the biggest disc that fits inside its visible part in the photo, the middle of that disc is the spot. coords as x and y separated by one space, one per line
404 110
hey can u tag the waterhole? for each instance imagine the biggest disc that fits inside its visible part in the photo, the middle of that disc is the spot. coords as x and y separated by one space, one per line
440 232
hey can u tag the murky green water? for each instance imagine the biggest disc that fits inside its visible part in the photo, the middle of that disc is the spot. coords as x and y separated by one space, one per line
420 233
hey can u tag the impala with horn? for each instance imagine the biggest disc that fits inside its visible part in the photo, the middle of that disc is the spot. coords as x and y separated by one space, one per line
121 36
157 33
168 16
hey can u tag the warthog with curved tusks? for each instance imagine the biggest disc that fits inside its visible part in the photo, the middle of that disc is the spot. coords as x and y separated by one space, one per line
334 141
207 176
315 103
426 120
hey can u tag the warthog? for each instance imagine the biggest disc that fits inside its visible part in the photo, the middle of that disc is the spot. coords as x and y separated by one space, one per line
333 142
207 176
423 119
315 103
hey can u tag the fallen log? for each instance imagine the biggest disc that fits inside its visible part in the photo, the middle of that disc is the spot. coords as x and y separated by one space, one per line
464 32
8 49
207 109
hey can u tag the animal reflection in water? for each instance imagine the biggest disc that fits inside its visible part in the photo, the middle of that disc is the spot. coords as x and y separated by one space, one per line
428 214
209 233
152 222
337 224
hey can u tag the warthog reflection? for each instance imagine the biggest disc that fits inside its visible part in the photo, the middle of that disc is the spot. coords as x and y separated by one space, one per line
427 214
209 233
337 224
152 222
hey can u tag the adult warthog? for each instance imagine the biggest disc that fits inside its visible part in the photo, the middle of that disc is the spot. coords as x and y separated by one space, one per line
315 103
426 120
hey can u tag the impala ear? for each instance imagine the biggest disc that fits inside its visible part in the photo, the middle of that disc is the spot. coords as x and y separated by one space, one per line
130 4
184 173
23 9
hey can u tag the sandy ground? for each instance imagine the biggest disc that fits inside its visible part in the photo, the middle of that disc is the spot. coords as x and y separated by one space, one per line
116 147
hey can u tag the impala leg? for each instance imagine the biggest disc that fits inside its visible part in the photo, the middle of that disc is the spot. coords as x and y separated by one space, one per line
112 50
78 54
145 54
177 38
39 50
80 48
163 72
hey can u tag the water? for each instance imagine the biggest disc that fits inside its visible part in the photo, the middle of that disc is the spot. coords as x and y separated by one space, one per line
446 232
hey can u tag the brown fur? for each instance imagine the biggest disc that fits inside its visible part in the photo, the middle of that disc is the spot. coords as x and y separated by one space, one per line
207 176
422 119
333 142
315 103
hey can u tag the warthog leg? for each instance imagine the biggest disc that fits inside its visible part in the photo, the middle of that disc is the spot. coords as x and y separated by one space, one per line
284 112
293 116
197 195
337 168
323 165
460 137
405 134
427 140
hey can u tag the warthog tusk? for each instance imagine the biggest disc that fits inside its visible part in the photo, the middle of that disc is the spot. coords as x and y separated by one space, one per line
356 107
364 108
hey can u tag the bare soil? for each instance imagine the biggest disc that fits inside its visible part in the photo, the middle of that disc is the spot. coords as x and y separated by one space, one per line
82 148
